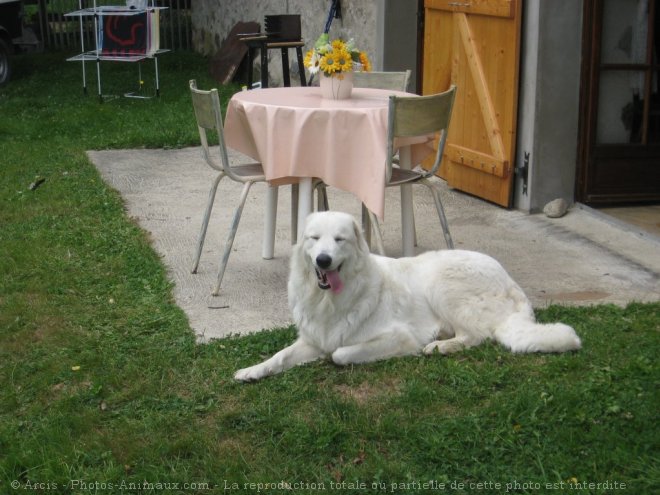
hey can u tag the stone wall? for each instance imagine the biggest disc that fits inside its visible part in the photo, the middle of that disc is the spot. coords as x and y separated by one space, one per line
213 19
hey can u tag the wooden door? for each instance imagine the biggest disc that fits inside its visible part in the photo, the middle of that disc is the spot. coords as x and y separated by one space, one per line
620 107
475 45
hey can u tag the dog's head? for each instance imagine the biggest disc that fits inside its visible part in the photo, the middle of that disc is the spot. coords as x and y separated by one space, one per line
332 246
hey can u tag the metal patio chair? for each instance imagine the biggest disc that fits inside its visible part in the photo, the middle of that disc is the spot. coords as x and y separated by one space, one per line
398 81
417 116
209 120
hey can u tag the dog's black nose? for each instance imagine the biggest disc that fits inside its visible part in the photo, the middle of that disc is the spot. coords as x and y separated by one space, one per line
323 261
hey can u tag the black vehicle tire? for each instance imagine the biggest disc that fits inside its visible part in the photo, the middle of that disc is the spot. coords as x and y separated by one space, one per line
5 61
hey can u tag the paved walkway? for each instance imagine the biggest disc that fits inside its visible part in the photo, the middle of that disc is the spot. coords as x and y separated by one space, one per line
579 259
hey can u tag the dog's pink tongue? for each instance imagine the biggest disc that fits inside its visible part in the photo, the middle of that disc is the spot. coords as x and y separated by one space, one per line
336 285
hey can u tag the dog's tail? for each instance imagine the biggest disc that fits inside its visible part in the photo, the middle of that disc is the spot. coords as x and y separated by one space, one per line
521 333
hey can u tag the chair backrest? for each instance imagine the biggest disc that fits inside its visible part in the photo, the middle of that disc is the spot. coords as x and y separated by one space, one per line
420 116
397 81
209 120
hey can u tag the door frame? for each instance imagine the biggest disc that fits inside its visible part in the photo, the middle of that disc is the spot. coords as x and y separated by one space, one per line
420 46
589 98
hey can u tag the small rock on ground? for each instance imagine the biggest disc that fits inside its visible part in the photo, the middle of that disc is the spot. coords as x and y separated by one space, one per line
556 208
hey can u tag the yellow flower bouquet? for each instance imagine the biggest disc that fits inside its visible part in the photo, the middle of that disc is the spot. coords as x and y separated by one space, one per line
335 57
336 60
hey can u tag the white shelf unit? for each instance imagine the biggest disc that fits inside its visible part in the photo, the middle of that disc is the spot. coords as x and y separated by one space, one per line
98 55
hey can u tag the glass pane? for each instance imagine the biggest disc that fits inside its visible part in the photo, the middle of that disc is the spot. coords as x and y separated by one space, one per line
625 28
620 107
654 112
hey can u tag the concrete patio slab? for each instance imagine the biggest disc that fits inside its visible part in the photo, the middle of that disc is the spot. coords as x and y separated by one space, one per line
579 259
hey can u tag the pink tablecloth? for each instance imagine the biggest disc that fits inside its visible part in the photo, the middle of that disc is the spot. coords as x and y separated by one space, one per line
295 133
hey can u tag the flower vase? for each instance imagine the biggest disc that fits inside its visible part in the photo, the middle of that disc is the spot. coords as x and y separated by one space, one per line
337 86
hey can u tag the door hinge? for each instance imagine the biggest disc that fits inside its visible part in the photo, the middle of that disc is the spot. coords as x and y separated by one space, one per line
523 172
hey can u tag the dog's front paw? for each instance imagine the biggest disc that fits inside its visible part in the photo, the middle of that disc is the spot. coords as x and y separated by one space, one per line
251 374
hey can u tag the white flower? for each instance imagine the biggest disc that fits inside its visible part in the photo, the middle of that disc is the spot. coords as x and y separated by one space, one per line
314 63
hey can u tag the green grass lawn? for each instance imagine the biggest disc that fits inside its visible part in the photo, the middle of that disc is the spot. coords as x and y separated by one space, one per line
104 390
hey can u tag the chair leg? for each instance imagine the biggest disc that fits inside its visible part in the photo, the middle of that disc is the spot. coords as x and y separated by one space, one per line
205 221
270 221
378 234
321 197
366 225
294 213
414 229
441 212
230 238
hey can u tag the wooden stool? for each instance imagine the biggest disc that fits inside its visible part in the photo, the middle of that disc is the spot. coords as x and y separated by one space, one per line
263 44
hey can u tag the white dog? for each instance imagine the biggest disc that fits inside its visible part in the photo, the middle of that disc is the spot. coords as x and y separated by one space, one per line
358 307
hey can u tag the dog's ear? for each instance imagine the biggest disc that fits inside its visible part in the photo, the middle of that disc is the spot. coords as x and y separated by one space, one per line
297 253
297 266
359 236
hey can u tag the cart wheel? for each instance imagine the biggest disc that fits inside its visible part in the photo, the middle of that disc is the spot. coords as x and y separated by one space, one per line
5 61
